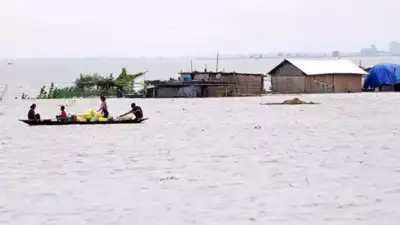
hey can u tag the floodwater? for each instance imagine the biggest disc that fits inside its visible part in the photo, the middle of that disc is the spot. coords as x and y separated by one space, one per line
206 161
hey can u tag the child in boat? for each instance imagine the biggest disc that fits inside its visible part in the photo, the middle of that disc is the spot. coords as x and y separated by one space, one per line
31 114
135 110
103 107
63 114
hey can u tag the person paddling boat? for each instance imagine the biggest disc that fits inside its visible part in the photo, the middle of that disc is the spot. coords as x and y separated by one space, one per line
135 110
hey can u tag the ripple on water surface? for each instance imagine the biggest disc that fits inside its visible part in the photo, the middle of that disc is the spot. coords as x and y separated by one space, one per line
206 161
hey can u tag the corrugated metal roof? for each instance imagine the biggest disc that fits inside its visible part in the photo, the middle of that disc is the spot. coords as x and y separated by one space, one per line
317 67
222 73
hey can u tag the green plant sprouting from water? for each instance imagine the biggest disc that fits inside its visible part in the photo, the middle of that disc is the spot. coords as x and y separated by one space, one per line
87 85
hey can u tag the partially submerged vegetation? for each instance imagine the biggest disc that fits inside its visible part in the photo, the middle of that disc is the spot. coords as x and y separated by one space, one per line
294 101
87 85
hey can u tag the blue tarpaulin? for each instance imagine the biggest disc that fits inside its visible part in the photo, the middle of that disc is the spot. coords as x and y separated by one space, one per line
382 74
187 78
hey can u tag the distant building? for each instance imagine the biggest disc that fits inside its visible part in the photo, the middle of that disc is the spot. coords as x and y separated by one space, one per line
316 76
369 51
394 48
209 84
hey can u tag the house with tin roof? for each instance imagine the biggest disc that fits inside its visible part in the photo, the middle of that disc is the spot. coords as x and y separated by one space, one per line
209 84
316 76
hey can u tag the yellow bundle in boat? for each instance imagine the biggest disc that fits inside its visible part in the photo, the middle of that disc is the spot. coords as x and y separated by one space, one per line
88 114
92 115
93 112
98 115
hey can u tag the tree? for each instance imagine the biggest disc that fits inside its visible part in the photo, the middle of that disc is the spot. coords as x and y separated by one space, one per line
42 93
93 85
51 89
336 54
126 81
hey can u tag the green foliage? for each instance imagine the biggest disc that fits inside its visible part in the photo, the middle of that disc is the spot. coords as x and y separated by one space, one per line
51 90
43 92
92 85
126 81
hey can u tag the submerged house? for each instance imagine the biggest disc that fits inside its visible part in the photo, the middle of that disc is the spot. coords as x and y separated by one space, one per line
209 84
384 77
316 76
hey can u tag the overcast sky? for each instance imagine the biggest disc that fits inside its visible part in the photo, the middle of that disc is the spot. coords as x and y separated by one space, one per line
132 28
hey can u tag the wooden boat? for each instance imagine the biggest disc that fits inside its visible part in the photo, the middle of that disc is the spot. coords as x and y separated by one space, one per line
61 123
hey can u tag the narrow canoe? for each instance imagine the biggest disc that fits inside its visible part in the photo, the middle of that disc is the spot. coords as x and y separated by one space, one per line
60 123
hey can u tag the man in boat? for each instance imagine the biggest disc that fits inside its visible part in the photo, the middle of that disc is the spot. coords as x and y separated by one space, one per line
32 115
135 110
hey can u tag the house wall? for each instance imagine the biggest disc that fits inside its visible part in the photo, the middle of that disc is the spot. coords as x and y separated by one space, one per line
246 85
342 83
288 84
289 79
218 92
316 84
166 92
348 82
250 85
243 85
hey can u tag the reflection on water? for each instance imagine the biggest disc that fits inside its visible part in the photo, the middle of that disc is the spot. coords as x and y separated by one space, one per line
206 161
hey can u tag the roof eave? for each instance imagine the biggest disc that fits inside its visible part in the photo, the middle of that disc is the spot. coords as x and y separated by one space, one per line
320 74
223 73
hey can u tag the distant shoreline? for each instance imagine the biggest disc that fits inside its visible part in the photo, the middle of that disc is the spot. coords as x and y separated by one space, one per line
221 57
